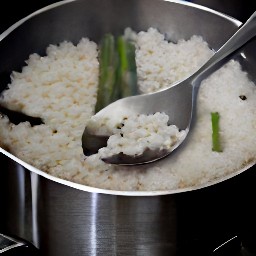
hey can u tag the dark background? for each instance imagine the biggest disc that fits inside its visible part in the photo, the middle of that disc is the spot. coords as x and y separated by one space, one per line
239 9
13 10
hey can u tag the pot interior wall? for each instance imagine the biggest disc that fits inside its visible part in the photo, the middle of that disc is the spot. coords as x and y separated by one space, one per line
74 20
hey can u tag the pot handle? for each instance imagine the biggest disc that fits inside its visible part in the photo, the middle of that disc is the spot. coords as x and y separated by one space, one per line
15 246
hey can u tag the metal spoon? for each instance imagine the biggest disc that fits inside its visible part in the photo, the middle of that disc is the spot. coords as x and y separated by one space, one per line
177 101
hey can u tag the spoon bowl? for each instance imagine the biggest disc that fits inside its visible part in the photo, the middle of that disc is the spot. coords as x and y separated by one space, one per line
177 101
179 97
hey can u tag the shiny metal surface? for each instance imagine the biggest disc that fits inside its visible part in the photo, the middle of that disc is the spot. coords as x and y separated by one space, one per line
66 221
64 218
98 224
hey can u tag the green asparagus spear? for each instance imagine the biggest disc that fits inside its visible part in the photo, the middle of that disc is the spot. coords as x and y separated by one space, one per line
126 72
216 145
118 76
107 72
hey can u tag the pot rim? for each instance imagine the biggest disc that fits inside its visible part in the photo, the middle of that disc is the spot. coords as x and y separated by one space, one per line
120 192
108 191
60 3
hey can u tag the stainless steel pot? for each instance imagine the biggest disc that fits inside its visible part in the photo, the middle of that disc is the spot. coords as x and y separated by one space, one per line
63 218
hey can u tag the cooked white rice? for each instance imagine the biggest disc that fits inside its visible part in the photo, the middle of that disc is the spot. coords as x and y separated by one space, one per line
141 132
61 88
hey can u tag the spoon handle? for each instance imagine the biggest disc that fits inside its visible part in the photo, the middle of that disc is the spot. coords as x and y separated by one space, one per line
245 33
